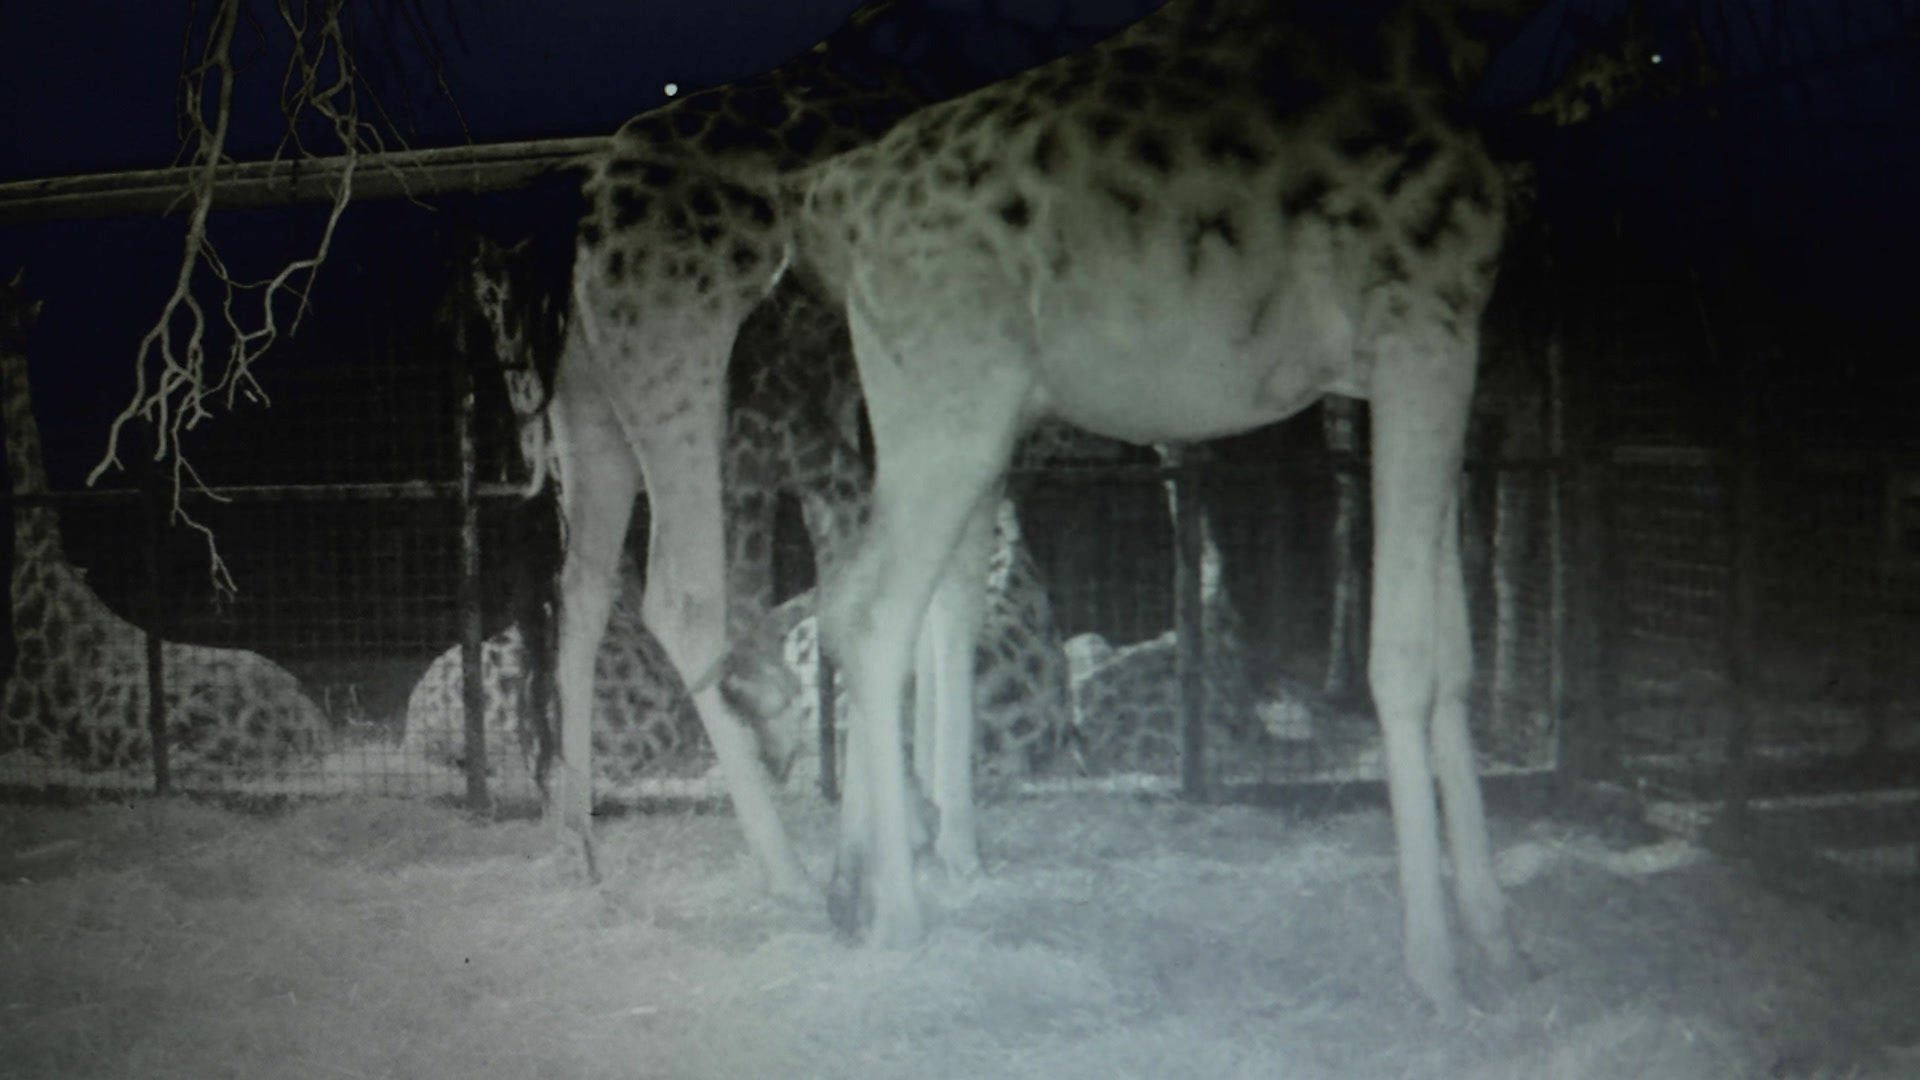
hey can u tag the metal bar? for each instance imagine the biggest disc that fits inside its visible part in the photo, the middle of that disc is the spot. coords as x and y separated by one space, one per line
1183 491
403 491
401 174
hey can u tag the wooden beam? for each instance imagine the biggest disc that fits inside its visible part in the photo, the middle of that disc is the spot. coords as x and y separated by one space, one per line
404 174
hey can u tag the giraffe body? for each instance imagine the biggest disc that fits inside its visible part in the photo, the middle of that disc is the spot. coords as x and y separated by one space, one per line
1198 227
78 689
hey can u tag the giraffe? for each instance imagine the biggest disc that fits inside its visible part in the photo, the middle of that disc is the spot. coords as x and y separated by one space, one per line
792 429
1197 227
683 236
78 688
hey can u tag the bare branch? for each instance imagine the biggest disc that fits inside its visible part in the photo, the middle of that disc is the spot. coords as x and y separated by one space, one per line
180 377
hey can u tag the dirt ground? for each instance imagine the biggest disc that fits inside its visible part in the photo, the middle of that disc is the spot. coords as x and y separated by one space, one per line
1114 937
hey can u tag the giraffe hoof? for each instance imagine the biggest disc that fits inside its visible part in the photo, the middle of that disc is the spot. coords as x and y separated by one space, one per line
847 907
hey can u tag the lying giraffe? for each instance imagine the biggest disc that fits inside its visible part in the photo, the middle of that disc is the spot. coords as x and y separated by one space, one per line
684 235
78 688
1197 227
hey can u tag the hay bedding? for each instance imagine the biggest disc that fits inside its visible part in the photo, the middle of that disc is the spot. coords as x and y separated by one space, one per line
1117 937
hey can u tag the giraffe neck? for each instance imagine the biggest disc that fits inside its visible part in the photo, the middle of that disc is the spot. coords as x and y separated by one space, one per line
44 585
36 529
26 472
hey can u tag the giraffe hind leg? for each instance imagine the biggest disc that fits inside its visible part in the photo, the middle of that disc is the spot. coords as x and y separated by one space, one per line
599 478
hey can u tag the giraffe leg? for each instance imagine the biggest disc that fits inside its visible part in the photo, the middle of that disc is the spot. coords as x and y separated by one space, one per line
678 461
685 608
1482 907
943 433
598 481
1420 403
947 640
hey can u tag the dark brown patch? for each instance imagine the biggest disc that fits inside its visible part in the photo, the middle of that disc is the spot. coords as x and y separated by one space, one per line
1129 94
741 199
1389 266
1224 146
1286 93
1150 147
591 234
1200 70
1419 154
1044 150
616 265
1104 126
701 200
1184 97
630 206
1016 212
1304 194
744 258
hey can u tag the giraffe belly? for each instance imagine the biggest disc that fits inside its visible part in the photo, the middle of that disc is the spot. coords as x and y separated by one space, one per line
1182 368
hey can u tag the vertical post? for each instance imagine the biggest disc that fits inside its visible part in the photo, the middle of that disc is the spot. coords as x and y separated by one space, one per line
1562 473
473 689
1340 419
1183 491
824 680
153 513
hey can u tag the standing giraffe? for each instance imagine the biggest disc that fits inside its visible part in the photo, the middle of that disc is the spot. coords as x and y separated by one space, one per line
78 688
684 235
1197 227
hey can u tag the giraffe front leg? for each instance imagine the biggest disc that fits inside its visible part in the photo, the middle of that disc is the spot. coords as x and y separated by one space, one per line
1420 403
949 637
1476 889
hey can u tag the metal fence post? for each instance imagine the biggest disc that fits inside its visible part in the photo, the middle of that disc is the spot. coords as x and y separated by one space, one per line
1183 489
473 689
153 515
